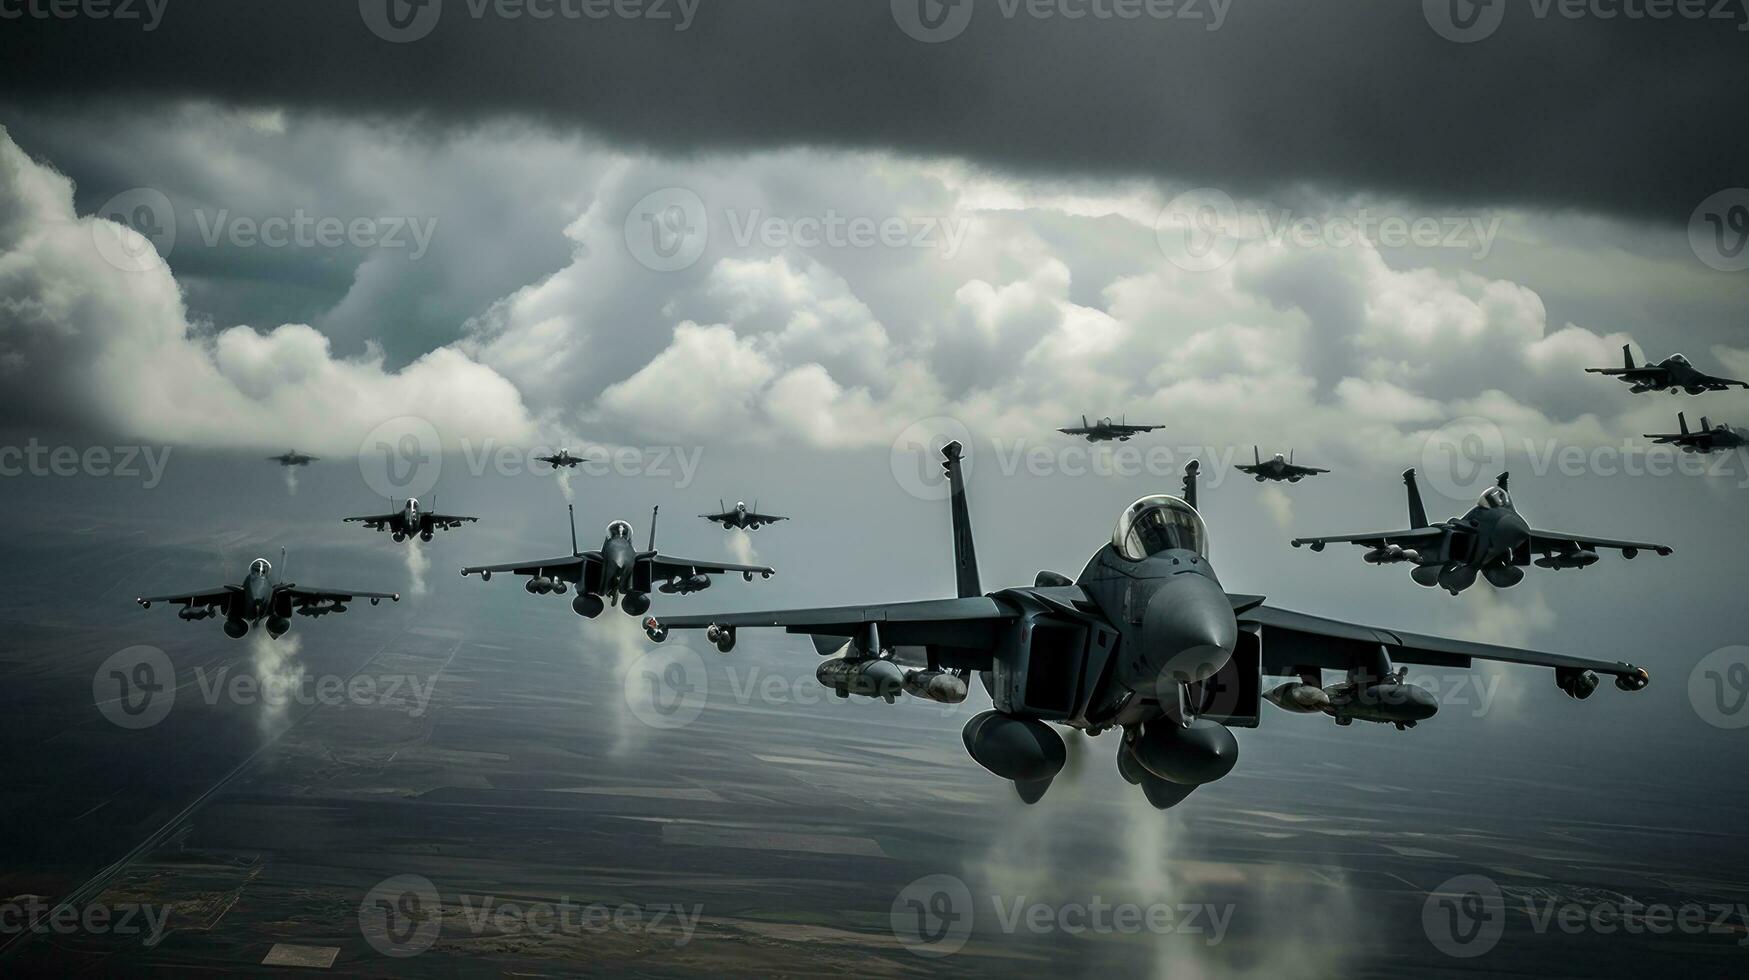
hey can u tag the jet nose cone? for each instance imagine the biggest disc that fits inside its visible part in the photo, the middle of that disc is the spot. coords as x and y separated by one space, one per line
1189 629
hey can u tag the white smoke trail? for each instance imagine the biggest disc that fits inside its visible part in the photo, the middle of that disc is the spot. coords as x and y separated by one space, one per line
564 476
291 481
741 545
1273 927
1279 505
418 563
278 675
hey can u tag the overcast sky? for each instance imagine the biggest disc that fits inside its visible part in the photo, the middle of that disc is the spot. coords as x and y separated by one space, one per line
806 236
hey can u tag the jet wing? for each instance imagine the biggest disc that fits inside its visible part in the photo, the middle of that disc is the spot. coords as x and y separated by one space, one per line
570 568
1721 384
1555 541
666 566
1294 640
963 632
1076 431
1678 438
1376 538
209 597
445 520
1306 470
376 522
1633 374
766 518
1137 428
333 595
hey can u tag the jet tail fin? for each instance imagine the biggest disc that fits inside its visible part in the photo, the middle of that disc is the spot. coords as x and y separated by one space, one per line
282 563
1706 424
572 510
1627 356
1257 455
1192 470
965 556
1682 420
1417 510
654 511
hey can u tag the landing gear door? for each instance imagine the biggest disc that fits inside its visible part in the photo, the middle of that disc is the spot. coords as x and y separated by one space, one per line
1234 696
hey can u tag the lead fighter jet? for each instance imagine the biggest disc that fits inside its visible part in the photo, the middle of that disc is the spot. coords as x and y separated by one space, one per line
618 574
1710 439
1105 430
1280 469
562 458
410 520
1673 374
741 517
1492 541
261 598
1146 641
293 458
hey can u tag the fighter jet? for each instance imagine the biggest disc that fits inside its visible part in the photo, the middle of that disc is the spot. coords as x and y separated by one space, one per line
1105 430
1492 540
619 573
1279 469
293 458
1146 641
410 520
259 598
562 458
1711 438
1673 374
741 517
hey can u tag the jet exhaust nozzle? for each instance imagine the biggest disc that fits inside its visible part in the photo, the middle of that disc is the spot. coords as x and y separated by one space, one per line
1503 576
1188 755
1024 750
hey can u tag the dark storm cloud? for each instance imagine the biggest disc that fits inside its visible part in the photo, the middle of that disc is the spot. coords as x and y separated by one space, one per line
1624 115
